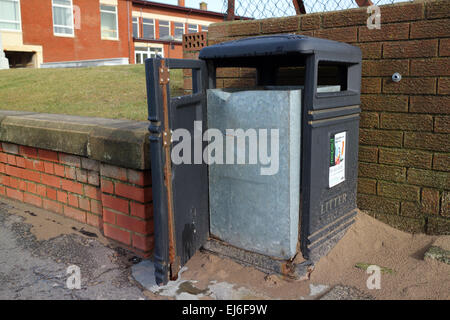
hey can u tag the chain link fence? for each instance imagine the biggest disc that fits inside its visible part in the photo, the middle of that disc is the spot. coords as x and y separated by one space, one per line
260 9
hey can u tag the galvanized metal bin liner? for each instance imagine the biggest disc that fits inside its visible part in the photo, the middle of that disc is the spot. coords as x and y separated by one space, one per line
256 206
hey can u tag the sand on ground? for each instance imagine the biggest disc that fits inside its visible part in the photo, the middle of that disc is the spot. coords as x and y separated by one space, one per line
368 241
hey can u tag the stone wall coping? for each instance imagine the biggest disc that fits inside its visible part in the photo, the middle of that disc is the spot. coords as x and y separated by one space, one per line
122 143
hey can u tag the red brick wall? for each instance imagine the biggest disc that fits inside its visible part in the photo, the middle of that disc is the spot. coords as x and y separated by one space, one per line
404 158
175 51
37 29
117 201
177 13
37 25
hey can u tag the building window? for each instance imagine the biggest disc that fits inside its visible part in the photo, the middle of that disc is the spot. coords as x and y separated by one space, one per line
135 27
62 17
9 14
178 30
108 15
205 28
164 30
148 27
192 28
142 53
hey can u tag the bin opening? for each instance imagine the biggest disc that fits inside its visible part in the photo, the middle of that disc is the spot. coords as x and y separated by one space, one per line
331 74
290 76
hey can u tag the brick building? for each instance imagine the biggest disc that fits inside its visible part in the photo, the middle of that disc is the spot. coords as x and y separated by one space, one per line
69 33
158 28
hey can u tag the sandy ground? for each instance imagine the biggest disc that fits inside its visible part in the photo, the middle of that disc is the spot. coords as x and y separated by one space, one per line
36 247
367 241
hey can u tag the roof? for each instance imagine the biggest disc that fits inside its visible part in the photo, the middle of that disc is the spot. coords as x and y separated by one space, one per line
276 45
182 9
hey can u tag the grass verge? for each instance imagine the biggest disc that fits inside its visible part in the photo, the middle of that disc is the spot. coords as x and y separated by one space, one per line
110 92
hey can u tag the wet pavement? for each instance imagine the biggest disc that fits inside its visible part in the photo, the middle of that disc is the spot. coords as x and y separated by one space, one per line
37 269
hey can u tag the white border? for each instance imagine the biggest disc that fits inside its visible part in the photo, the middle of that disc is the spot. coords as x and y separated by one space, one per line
11 21
117 21
154 28
159 27
175 28
148 46
138 26
170 18
196 29
67 35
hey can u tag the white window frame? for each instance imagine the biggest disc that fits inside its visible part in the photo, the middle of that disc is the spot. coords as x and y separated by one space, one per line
159 28
147 52
117 21
12 21
154 27
204 26
157 47
175 28
138 26
188 28
61 26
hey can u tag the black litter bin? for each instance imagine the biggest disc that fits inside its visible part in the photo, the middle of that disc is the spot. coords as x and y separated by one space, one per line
328 73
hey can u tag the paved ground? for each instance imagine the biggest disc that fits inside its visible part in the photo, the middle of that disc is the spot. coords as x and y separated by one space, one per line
36 269
37 247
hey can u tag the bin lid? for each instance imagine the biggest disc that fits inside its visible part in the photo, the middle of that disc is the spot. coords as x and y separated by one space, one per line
283 44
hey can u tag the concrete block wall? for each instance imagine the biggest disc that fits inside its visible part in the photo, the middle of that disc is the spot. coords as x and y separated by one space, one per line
404 158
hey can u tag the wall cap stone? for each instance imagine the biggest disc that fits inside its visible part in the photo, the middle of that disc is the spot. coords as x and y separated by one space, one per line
122 143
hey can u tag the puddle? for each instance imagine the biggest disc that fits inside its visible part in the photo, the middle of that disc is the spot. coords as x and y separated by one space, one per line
181 289
317 289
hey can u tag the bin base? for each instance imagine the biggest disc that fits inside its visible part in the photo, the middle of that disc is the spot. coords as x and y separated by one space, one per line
288 268
266 264
324 240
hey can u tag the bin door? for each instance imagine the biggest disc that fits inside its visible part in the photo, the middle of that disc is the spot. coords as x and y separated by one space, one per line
180 191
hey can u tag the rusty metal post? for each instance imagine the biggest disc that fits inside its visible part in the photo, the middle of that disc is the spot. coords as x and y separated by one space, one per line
230 11
363 3
299 6
164 78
